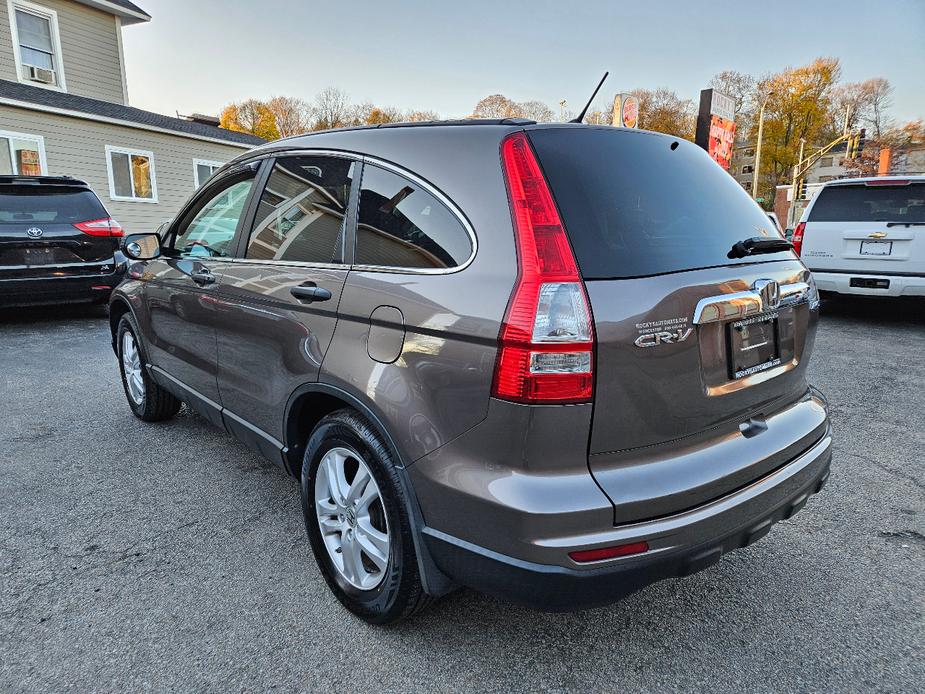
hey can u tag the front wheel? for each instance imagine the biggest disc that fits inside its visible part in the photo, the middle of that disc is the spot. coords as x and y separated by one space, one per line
357 520
149 402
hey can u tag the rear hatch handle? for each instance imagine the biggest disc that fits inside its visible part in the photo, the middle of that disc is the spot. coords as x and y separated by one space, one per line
764 295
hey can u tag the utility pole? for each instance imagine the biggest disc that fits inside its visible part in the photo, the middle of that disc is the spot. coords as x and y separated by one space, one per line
847 117
757 168
796 177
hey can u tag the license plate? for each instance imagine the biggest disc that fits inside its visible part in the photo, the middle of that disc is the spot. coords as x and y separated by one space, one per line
39 256
754 345
876 247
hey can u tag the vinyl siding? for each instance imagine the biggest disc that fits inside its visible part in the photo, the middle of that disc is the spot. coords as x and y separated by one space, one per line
77 147
90 47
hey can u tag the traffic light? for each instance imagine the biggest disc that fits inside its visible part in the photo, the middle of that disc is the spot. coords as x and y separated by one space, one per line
802 189
856 144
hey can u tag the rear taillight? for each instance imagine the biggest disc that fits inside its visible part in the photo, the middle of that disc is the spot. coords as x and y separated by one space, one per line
797 238
101 227
547 339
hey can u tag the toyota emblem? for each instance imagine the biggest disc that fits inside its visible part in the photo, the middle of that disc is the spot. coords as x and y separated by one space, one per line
34 232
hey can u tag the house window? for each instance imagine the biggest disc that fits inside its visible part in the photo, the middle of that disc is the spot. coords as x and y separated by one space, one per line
749 153
747 169
22 155
37 45
131 174
825 161
203 170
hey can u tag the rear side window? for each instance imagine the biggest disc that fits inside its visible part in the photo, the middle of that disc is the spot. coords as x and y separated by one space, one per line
402 225
635 204
877 203
48 204
301 213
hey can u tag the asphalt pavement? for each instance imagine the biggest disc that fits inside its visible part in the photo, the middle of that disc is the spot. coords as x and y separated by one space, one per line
167 557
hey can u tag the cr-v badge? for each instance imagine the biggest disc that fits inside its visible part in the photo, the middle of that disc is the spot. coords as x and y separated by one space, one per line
660 332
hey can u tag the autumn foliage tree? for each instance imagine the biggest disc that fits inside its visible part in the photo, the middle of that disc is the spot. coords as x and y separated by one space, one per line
663 111
799 102
250 116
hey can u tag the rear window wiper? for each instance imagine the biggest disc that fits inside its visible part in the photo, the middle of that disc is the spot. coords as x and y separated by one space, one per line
759 244
904 224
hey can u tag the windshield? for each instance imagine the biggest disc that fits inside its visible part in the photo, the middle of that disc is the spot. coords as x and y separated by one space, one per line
864 203
636 204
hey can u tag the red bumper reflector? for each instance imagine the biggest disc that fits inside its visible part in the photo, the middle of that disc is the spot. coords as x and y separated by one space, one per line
585 555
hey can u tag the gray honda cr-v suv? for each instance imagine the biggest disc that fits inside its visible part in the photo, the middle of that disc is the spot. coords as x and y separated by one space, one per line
555 363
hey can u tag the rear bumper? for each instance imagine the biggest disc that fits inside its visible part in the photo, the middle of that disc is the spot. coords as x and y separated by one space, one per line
65 289
681 544
893 285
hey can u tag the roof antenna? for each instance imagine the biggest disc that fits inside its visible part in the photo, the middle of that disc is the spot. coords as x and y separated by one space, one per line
581 116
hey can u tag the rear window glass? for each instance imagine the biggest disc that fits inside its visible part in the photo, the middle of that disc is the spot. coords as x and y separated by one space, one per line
635 204
878 203
48 204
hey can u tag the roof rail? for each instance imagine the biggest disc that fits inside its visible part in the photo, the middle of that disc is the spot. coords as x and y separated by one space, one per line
417 124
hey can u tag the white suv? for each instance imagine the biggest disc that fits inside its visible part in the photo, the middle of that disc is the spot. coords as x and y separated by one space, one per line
866 236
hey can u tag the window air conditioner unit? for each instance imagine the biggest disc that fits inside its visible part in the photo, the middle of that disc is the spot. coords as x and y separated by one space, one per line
37 74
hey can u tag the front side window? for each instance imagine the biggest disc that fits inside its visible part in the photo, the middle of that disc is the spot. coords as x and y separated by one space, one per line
203 170
211 230
38 46
131 174
21 155
302 210
401 225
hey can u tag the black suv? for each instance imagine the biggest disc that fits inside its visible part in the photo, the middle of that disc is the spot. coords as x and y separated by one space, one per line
57 242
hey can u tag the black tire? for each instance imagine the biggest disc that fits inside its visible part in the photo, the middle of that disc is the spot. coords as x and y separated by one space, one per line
400 593
156 403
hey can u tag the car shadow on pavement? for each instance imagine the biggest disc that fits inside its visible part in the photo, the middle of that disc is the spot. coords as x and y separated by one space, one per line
875 309
26 315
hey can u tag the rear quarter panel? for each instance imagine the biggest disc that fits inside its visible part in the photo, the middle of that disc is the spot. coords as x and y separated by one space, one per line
439 386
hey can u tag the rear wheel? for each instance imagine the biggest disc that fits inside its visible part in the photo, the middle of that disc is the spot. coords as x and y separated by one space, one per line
149 402
357 522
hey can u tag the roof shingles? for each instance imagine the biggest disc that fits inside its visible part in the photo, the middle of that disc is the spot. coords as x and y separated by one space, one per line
95 107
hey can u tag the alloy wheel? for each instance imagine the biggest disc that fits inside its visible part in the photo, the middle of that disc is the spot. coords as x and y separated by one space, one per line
351 517
131 367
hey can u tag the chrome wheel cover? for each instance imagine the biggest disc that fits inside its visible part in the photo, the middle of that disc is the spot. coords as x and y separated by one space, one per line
131 368
351 517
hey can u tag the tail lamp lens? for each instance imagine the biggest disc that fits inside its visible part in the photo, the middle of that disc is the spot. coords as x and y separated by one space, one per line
547 339
101 227
797 239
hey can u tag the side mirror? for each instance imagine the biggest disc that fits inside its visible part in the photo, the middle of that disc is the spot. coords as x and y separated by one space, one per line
142 246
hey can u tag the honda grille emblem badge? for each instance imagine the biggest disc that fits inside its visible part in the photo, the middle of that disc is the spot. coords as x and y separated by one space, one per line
769 290
34 232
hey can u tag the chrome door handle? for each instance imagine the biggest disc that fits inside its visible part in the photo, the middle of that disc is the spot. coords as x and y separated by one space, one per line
309 293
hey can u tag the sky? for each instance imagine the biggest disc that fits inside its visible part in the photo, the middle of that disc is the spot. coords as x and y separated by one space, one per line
199 55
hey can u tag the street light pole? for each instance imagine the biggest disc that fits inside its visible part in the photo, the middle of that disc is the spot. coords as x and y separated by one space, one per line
757 168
